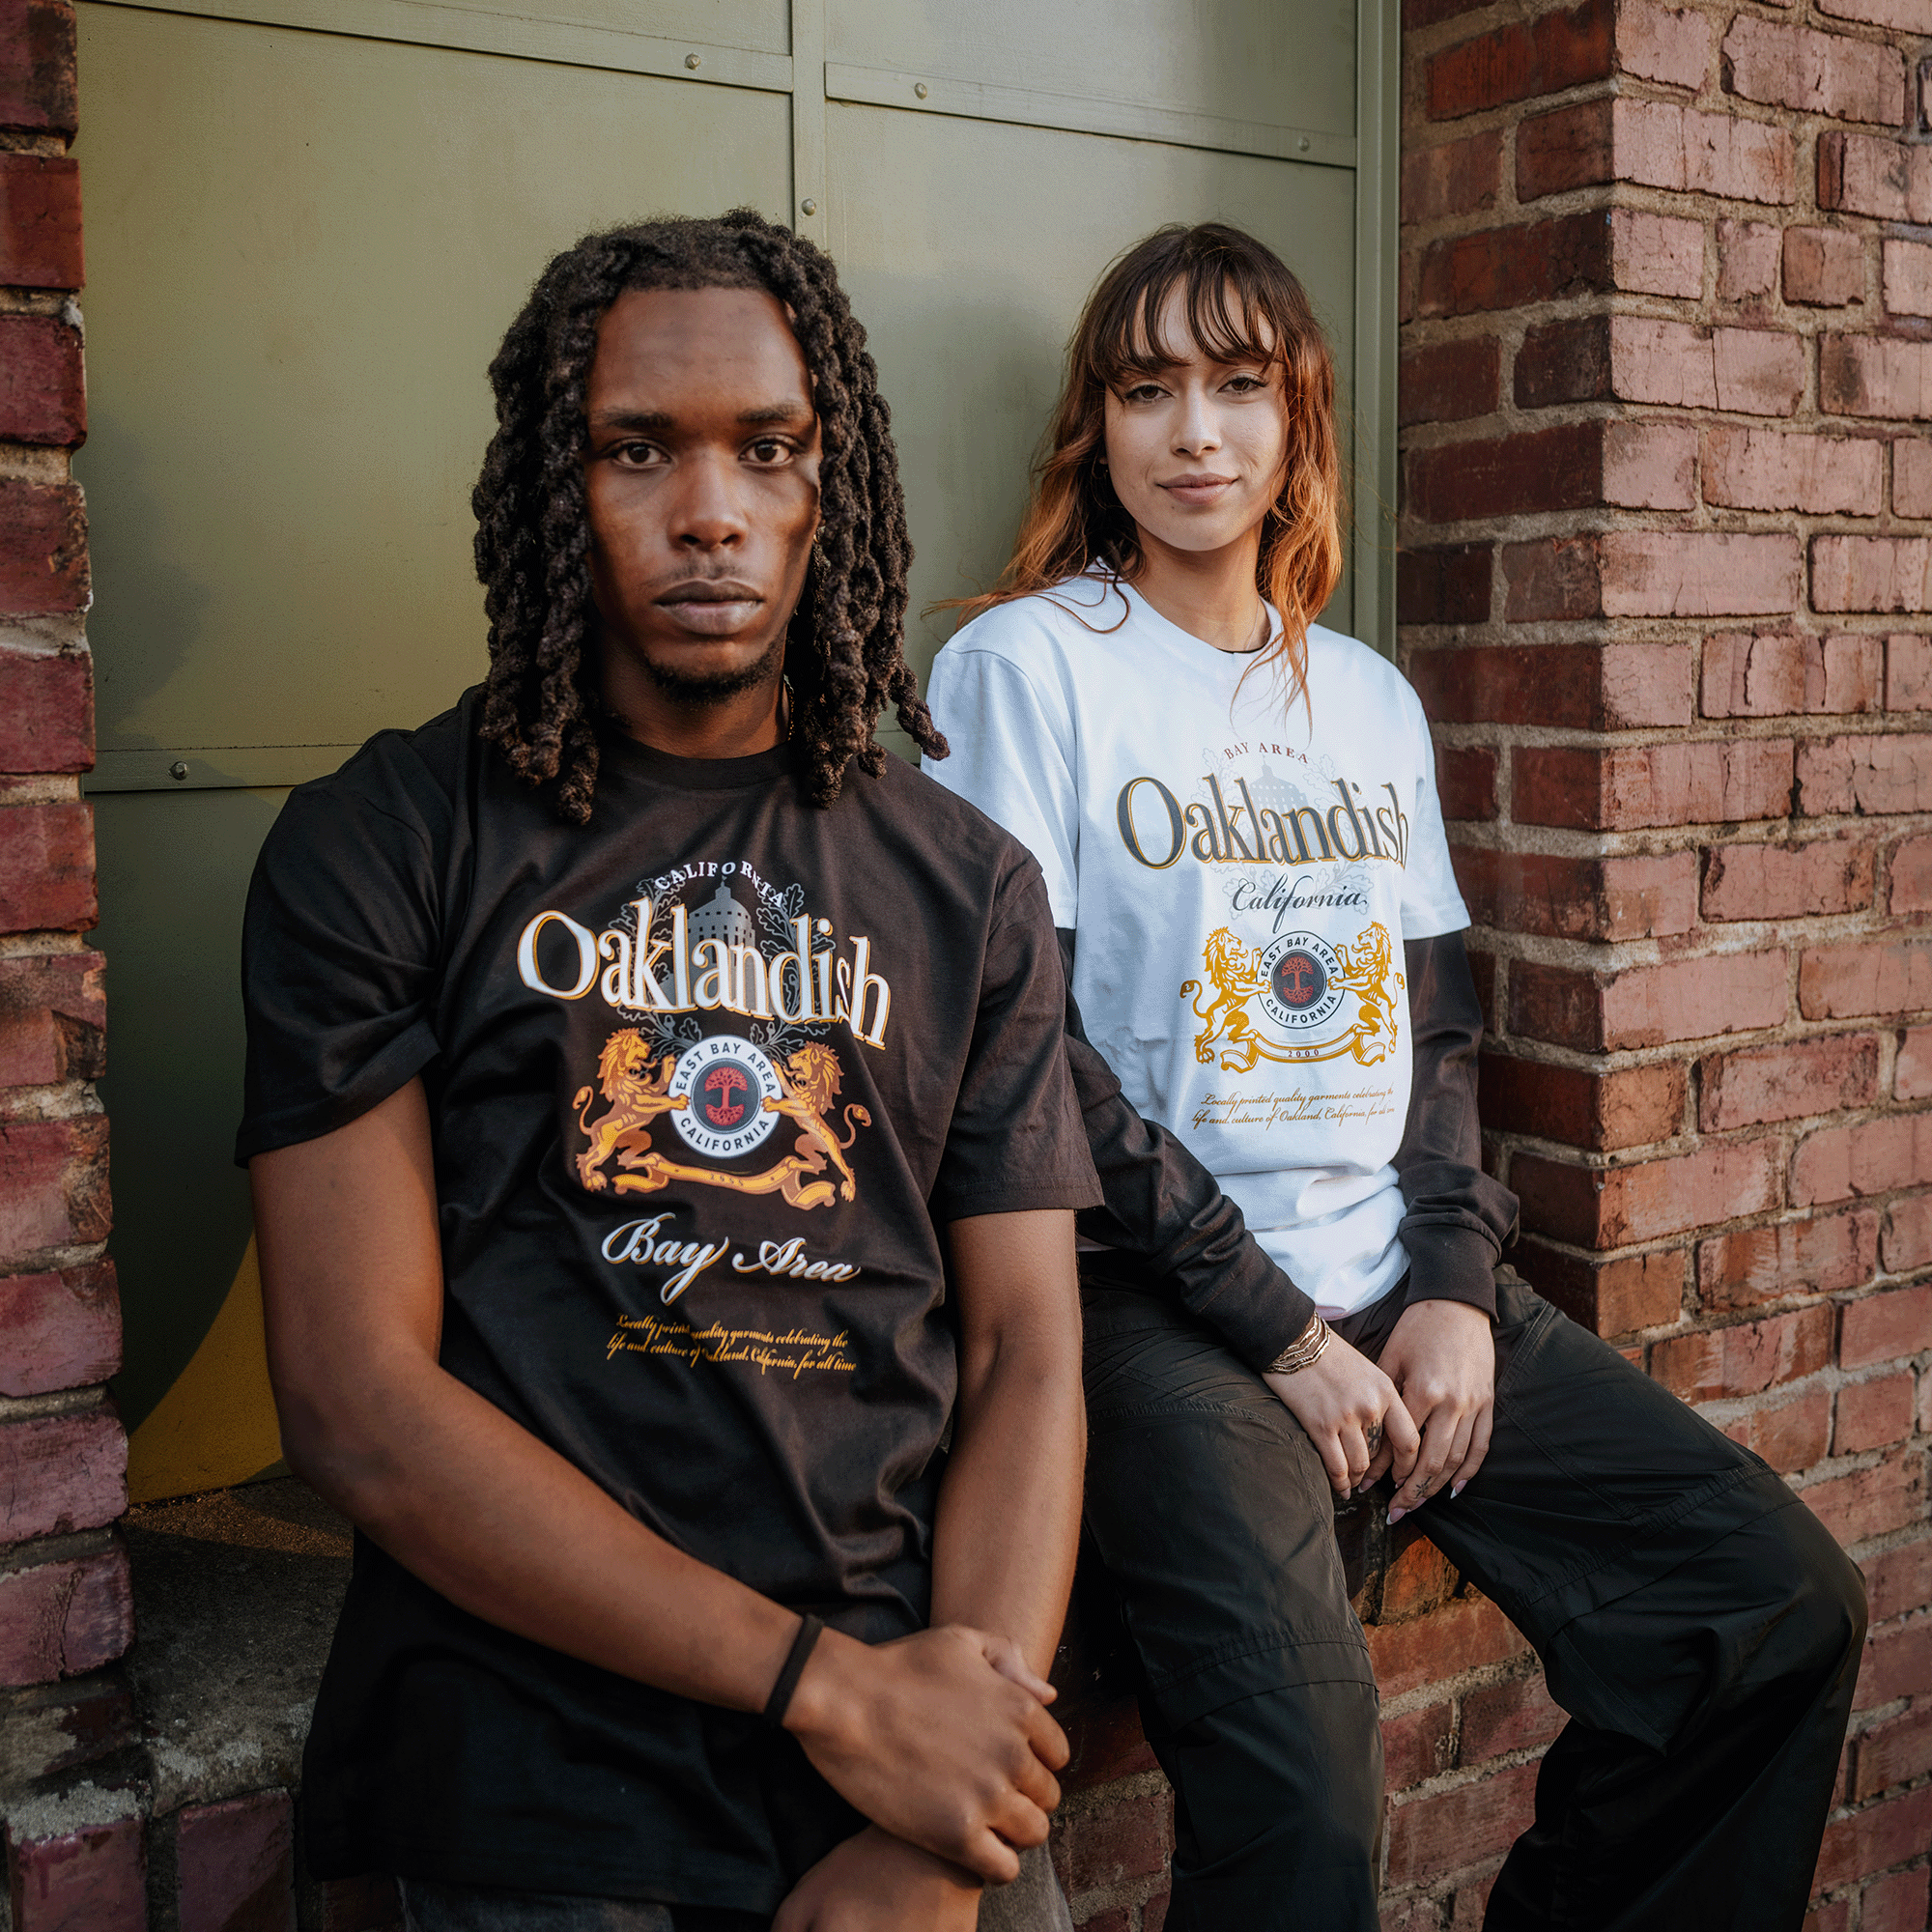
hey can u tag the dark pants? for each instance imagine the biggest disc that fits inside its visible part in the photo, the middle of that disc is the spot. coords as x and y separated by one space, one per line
1697 1623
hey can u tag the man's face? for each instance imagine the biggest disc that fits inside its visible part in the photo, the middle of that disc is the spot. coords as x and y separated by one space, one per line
701 477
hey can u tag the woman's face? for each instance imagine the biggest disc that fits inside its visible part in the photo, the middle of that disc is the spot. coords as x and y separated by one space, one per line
1197 451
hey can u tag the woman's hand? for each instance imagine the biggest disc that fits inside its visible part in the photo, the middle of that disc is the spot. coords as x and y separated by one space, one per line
941 1737
1353 1415
1442 1356
876 1883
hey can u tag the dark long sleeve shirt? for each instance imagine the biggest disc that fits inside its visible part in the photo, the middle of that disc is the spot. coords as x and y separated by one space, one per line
1164 1208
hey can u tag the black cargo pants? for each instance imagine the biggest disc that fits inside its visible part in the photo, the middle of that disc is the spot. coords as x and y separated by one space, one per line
1698 1624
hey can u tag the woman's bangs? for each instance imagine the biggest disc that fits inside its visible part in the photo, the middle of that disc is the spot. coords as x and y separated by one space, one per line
1226 319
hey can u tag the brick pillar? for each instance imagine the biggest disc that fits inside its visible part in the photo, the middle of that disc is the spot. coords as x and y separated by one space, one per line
73 1847
1666 371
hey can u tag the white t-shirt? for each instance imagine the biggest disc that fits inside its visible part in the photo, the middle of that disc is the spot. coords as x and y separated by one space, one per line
1240 875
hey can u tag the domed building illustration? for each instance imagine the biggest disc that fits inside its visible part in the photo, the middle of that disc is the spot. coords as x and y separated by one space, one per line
720 917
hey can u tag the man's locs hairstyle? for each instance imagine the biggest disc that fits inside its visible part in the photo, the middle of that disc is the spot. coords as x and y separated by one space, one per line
1240 299
843 644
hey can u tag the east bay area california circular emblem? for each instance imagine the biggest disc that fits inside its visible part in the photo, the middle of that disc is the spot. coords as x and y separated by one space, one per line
1301 981
724 1083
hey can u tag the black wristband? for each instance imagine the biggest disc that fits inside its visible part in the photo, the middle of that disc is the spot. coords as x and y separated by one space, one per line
778 1703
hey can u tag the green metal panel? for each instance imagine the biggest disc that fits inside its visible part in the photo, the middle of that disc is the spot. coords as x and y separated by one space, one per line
967 300
303 250
308 223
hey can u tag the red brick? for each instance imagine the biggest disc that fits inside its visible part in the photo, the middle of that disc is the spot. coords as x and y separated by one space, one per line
1908 674
1912 477
1906 278
1874 774
43 545
1469 1633
1897 1663
40 222
1906 1242
1884 1327
1654 144
1106 1742
1454 178
1622 787
46 708
1422 1914
60 1473
1445 585
1571 897
1787 881
1563 362
1501 1718
1834 1916
1747 1359
1434 1836
1897 1903
1762 470
1558 469
65 1618
1510 268
1862 174
1789 1436
1819 1255
1131 1840
1911 1071
1614 1298
1851 573
1872 1158
1875 376
1868 1502
46 867
1521 60
1813 72
1575 147
36 86
1616 687
1647 1006
90 1880
53 1185
1645 1200
51 1018
1655 254
1448 382
1754 371
1747 259
1788 1082
1911 876
59 1331
1465 782
1663 44
42 396
1557 577
1471 1903
1883 976
1781 674
1416 1747
1910 16
1824 268
235 1865
1650 466
1873 1414
1898 1580
1583 1107
1698 573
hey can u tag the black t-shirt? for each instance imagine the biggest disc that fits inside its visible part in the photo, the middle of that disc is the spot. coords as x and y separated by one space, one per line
707 1077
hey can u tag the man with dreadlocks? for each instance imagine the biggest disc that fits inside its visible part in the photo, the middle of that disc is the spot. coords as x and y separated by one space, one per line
659 1135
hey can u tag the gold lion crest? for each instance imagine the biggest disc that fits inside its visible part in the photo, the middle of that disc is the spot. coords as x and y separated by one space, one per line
1236 974
637 1089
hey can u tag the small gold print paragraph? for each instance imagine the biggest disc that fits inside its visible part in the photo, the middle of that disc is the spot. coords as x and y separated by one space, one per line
793 1353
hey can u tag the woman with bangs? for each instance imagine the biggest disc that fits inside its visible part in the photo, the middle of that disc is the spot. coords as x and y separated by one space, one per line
1294 1292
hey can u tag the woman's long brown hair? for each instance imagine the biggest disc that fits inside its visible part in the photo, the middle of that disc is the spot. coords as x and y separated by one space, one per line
1240 300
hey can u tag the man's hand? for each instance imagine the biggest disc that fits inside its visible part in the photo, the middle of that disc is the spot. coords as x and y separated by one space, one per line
941 1737
876 1883
1442 1357
1353 1415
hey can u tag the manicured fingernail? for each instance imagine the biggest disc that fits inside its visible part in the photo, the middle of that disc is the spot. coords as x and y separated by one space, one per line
1397 1515
1455 1489
1365 1486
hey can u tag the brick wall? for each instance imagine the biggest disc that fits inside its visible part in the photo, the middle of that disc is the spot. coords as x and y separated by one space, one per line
65 1610
1666 369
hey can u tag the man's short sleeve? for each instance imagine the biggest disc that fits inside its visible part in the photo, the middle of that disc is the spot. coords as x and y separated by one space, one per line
339 956
1017 1141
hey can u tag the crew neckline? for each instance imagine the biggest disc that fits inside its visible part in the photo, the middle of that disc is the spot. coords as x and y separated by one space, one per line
1137 602
756 768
